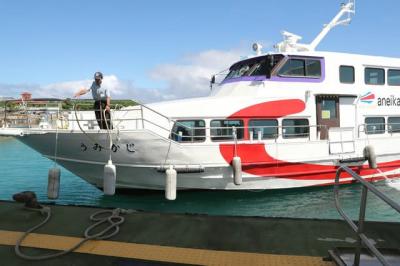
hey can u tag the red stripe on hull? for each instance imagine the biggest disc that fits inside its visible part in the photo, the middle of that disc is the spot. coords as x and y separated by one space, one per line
272 109
256 161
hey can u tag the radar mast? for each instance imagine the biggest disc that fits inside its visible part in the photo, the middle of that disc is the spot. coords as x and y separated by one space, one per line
290 40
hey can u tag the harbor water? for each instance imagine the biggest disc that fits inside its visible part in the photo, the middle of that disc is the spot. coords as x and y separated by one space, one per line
22 168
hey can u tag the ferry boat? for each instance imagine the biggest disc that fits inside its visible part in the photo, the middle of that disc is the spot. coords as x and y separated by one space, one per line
277 120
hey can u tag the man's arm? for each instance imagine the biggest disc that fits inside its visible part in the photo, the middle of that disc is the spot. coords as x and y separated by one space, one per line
108 95
82 91
108 103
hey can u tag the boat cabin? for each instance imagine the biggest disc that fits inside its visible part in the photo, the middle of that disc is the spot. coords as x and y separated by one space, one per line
356 93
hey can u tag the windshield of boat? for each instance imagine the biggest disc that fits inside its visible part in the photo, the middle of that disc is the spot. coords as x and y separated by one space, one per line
258 66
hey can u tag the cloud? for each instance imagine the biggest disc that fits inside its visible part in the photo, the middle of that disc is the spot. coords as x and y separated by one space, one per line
67 89
189 77
14 90
63 89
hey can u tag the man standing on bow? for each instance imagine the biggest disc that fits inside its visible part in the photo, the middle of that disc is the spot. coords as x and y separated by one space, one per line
102 101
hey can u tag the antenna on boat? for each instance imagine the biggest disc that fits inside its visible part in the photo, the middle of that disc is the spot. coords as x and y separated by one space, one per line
346 9
290 40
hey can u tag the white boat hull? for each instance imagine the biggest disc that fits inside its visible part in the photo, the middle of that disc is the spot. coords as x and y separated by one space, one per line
141 158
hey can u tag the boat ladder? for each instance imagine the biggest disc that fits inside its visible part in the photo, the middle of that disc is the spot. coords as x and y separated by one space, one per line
365 252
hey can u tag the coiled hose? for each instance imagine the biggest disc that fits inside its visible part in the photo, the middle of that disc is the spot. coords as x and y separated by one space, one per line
114 219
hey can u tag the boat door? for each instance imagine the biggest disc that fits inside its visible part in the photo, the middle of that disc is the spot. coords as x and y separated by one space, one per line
327 114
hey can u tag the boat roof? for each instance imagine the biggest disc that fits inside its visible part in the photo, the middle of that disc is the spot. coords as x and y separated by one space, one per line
368 59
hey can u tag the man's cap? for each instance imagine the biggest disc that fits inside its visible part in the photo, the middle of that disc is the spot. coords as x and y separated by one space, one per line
98 75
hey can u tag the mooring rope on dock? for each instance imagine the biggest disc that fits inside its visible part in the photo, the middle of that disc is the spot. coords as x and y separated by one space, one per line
114 219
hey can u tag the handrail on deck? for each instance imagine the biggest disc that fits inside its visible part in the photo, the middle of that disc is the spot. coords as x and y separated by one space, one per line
383 128
28 115
164 123
359 230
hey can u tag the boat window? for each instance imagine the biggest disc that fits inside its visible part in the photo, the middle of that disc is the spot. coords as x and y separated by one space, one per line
313 68
293 67
223 129
268 128
394 77
295 128
259 69
374 125
374 76
394 124
301 68
328 109
346 74
238 72
259 66
189 131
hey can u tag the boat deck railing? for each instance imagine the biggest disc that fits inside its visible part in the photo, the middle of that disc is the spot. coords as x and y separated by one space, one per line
359 230
378 128
49 115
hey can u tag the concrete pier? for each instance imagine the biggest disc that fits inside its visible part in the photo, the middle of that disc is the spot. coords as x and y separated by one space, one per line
147 238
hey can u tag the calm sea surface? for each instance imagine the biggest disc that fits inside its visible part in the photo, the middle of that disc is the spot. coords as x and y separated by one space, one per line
21 168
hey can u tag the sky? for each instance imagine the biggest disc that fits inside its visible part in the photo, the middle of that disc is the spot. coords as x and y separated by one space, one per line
160 50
